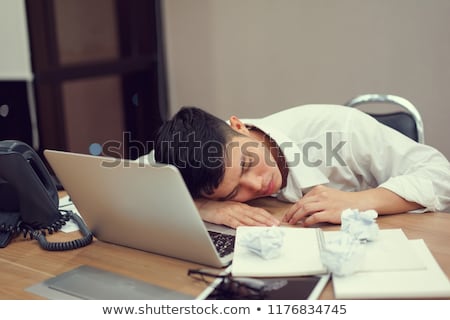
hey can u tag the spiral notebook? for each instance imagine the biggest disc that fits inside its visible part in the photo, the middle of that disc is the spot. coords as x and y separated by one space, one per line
300 254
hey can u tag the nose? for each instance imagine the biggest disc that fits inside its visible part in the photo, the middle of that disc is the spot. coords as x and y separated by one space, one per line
251 182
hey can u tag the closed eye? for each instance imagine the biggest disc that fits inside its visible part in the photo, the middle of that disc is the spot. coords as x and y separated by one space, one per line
245 165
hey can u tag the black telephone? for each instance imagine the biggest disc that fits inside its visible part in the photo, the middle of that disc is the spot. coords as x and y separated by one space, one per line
29 202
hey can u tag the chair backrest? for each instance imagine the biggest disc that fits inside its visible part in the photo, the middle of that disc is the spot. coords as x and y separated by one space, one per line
407 121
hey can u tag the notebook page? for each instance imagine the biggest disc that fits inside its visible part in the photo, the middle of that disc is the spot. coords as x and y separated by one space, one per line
430 282
300 255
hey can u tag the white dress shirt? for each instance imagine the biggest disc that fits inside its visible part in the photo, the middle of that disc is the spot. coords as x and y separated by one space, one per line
344 148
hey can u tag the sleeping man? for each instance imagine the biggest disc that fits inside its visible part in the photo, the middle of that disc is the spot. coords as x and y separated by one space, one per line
321 158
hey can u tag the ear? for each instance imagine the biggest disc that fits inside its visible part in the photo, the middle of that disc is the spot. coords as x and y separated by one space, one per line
238 126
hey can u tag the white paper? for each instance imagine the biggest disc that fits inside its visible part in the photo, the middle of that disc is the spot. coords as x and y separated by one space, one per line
430 282
390 251
299 256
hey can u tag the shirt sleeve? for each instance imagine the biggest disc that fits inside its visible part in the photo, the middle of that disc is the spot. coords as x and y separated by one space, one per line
416 172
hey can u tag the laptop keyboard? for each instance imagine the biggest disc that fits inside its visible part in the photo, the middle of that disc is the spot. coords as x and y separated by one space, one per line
224 242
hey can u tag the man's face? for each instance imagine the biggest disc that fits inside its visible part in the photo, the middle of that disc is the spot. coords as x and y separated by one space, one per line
250 172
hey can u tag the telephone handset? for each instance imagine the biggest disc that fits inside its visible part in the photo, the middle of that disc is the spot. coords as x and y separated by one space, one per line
29 201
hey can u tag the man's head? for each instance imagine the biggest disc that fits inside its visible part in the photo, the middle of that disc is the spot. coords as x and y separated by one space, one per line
217 160
194 141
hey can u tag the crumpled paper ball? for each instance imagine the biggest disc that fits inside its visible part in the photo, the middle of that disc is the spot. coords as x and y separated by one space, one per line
266 243
344 254
360 225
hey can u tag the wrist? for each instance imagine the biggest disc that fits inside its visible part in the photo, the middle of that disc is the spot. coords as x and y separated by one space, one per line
385 201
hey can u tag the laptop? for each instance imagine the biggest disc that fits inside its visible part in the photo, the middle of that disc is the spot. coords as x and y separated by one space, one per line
141 206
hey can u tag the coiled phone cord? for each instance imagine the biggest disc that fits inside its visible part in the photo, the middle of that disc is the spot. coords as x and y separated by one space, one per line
39 233
87 238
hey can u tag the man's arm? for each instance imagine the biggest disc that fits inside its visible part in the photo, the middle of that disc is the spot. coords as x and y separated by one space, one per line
395 166
234 214
411 170
324 204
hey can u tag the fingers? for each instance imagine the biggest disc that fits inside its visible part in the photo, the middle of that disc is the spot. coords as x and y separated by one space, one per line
320 204
309 219
302 209
292 210
264 217
257 217
315 218
240 214
234 214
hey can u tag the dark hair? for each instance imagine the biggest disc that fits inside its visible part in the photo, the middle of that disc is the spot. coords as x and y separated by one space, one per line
194 141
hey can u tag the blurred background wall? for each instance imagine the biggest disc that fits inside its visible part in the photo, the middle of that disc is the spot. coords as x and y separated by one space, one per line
255 57
243 57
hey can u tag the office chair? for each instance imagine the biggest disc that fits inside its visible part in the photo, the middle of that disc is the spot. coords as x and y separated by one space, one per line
409 122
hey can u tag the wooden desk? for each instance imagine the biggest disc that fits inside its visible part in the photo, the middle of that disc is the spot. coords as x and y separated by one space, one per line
23 263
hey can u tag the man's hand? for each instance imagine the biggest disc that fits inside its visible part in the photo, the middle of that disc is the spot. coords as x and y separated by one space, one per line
324 204
321 204
234 214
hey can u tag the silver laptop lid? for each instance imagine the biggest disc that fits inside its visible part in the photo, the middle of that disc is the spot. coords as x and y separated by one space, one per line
136 205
